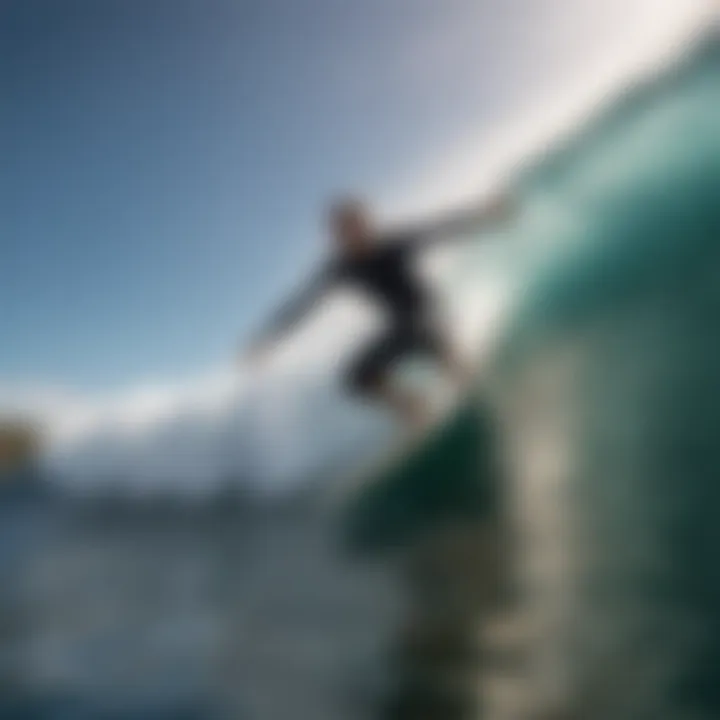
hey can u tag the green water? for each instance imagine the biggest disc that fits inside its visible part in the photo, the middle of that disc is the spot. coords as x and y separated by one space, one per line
450 477
612 365
624 320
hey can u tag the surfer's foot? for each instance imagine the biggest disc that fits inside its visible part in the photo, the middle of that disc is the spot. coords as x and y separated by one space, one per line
410 408
415 414
457 369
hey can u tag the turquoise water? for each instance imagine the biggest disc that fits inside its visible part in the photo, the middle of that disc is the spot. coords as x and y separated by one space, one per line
609 377
634 197
612 366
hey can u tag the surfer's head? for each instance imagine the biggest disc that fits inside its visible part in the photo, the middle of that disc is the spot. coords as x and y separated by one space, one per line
350 225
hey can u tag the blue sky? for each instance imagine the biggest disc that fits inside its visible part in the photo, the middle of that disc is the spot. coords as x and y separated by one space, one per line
165 163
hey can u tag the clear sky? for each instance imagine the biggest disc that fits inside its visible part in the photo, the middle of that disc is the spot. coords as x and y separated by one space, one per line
164 163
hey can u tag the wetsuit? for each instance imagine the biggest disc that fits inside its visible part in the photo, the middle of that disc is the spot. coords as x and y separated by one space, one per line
386 274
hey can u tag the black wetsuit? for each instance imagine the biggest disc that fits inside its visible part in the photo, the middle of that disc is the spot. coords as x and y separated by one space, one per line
385 273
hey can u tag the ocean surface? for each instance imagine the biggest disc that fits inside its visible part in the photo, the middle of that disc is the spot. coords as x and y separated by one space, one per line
224 611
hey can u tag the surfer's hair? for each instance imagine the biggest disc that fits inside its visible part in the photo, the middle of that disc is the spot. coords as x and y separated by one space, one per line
344 205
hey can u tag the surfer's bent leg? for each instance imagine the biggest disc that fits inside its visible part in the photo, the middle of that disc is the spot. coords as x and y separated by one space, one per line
369 374
454 365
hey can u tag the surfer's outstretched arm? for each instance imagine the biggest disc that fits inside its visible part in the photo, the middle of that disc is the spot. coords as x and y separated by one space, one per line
481 216
292 312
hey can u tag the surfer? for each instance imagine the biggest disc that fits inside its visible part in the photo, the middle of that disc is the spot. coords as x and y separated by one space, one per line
380 264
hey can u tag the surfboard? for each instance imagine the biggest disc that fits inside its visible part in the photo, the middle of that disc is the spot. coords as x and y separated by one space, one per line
446 472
